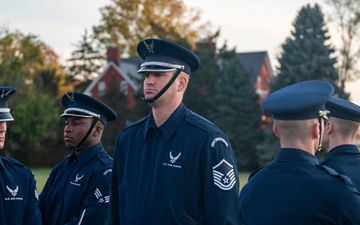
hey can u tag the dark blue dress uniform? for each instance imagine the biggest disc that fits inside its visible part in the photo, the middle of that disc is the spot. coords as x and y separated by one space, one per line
19 198
18 195
77 190
294 188
345 158
183 172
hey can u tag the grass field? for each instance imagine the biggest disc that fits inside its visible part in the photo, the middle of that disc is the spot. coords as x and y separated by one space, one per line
41 175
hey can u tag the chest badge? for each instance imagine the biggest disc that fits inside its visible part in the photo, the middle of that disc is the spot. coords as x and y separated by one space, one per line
13 192
174 159
77 178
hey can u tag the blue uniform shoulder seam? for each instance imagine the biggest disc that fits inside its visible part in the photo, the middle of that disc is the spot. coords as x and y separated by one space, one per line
201 122
136 122
13 161
344 178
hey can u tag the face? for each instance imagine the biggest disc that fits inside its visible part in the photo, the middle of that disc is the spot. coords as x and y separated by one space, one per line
3 128
154 82
75 130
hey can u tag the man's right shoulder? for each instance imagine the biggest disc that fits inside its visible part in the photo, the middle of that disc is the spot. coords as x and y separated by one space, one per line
341 177
136 123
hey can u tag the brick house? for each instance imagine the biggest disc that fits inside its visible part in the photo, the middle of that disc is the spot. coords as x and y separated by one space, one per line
119 74
259 67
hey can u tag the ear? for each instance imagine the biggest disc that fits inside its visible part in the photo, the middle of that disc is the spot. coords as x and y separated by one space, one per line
329 126
97 130
182 83
276 131
316 130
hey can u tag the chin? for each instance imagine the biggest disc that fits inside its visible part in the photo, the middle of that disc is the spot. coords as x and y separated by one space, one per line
70 146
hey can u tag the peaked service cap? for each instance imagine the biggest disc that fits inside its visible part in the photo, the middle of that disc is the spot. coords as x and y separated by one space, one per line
163 56
343 109
81 105
300 101
5 94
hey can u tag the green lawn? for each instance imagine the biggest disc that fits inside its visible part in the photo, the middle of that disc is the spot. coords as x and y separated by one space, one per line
41 175
243 178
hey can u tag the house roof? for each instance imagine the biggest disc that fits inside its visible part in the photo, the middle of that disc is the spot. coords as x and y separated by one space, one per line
125 71
252 62
137 60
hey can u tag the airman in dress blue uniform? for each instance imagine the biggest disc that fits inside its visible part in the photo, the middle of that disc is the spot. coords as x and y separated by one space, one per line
173 166
294 189
77 190
339 138
18 195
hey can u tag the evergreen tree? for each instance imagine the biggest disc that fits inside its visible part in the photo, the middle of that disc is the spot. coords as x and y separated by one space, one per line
202 82
235 109
85 63
267 150
307 54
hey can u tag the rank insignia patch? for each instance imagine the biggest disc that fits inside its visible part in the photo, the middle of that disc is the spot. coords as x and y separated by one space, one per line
224 176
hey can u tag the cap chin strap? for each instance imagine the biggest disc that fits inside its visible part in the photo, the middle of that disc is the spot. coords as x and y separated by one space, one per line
87 134
322 117
320 139
153 99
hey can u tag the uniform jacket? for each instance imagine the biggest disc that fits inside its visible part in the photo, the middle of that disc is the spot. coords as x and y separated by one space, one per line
77 190
183 172
295 189
345 159
19 198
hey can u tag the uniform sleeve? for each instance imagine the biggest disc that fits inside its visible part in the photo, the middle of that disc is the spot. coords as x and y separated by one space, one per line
114 196
221 185
94 209
44 194
32 214
350 206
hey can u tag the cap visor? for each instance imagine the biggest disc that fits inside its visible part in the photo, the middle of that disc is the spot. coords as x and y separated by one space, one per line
143 70
6 116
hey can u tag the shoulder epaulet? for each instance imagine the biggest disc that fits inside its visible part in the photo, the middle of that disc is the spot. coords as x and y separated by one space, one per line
254 172
12 161
346 179
136 122
105 158
200 122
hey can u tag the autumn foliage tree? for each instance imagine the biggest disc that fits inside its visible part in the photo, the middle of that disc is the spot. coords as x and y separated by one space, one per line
125 23
32 67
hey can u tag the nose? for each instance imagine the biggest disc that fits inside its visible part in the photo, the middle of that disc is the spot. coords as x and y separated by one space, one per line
67 128
2 126
149 79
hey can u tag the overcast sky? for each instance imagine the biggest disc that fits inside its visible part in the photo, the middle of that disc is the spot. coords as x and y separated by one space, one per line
256 25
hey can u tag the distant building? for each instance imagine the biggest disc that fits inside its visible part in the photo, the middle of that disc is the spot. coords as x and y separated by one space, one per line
119 74
258 65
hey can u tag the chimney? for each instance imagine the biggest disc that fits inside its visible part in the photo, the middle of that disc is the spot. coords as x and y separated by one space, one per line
208 48
114 55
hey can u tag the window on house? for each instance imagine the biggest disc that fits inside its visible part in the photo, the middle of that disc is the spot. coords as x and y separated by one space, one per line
101 88
259 84
124 88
